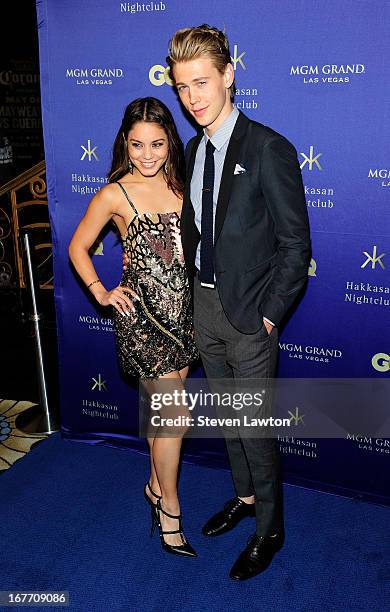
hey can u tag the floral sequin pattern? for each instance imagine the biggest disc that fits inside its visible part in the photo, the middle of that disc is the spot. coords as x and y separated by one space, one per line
158 337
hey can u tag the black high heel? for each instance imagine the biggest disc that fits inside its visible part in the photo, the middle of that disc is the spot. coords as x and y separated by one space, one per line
153 507
185 548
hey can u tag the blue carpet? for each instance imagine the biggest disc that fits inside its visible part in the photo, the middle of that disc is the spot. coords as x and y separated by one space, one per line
73 518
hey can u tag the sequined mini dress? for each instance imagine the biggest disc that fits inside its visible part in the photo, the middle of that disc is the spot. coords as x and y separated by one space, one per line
158 337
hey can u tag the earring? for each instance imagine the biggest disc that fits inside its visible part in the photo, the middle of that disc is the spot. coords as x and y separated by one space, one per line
130 166
166 167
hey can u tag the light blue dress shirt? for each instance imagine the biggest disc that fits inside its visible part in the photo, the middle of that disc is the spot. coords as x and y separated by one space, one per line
220 140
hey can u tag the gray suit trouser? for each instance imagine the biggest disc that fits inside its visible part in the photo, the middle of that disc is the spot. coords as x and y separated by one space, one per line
228 353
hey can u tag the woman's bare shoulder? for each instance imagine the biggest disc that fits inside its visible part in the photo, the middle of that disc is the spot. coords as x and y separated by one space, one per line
108 196
110 191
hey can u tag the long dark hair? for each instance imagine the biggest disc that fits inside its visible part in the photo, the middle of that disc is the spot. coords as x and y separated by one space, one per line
154 111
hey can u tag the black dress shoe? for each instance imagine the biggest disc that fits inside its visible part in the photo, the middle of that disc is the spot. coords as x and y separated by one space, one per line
257 556
225 520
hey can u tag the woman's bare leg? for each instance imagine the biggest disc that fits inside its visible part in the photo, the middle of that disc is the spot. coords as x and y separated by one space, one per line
165 456
153 480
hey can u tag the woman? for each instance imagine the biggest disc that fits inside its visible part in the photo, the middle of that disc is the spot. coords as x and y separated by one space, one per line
152 314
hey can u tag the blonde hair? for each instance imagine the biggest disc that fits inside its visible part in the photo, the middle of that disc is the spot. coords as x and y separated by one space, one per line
190 43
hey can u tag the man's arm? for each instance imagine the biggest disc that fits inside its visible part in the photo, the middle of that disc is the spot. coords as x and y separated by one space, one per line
284 194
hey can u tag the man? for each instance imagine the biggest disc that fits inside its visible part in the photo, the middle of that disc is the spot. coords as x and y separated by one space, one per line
246 244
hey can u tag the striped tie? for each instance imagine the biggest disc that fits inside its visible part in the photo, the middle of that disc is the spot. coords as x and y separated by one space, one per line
206 239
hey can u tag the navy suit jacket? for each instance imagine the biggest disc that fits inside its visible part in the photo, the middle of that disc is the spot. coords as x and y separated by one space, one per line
262 245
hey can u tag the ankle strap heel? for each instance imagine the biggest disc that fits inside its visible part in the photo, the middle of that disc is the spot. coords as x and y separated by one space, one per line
173 516
153 507
185 548
147 486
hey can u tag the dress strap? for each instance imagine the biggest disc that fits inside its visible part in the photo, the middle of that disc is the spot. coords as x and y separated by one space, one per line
127 198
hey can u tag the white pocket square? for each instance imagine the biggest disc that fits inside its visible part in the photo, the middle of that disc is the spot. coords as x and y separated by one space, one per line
239 169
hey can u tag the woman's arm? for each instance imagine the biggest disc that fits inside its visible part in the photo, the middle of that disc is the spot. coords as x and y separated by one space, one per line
99 212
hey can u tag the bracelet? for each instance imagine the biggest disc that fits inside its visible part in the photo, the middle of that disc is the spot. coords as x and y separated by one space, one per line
93 282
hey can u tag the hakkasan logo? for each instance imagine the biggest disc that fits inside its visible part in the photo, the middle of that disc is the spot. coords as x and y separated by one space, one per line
327 73
87 184
360 293
298 446
97 76
99 410
98 383
94 323
318 354
380 175
142 7
317 197
374 258
310 159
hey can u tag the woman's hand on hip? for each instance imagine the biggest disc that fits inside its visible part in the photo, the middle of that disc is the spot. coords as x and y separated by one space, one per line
118 298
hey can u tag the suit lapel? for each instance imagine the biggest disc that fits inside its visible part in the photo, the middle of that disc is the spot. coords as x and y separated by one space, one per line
236 140
188 209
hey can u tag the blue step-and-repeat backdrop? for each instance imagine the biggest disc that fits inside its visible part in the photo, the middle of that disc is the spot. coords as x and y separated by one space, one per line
317 72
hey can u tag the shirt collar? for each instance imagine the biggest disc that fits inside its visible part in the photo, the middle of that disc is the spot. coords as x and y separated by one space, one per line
224 132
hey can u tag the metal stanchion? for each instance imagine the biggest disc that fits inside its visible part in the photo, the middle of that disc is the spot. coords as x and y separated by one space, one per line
36 317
